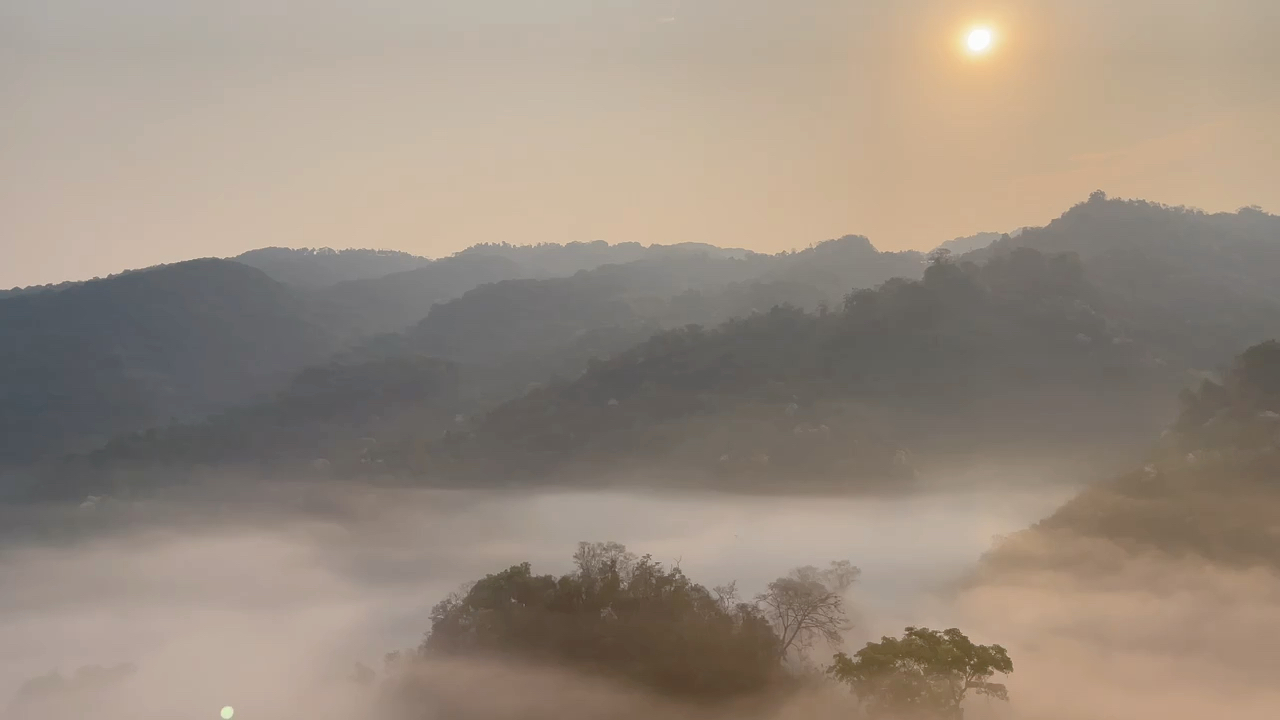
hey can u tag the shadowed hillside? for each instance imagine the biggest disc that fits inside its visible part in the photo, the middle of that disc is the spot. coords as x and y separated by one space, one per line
361 308
1005 354
1201 285
135 350
313 268
329 419
1209 490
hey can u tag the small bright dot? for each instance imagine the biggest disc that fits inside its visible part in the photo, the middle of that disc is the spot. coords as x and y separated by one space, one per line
228 712
979 39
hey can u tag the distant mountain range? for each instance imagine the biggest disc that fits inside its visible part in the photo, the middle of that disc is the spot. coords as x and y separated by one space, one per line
1007 355
313 268
560 356
174 343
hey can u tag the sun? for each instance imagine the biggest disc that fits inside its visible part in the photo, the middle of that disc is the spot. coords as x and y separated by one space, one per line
979 40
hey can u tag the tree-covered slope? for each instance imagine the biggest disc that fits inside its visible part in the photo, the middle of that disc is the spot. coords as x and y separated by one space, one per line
1210 489
1004 353
85 363
314 268
1202 285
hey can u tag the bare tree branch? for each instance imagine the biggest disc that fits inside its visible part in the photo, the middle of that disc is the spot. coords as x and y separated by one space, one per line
809 604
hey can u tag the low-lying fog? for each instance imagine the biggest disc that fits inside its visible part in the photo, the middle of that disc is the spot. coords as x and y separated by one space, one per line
226 602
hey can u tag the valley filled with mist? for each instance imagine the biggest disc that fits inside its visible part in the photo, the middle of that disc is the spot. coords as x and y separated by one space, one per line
1028 475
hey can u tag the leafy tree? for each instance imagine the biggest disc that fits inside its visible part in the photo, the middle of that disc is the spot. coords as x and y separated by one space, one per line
808 604
617 614
924 674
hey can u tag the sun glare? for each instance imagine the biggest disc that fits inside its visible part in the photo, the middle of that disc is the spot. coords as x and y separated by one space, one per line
979 40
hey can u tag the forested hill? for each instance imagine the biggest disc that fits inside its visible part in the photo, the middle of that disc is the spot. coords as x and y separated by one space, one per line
316 268
363 308
313 268
1202 285
1005 353
1015 344
85 363
1208 491
355 304
526 317
962 245
94 360
837 266
332 418
504 336
532 330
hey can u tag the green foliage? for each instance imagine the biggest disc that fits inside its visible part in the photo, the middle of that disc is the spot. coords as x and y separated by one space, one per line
616 614
924 674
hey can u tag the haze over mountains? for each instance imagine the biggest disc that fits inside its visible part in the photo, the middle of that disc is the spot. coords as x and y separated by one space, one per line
333 316
639 360
341 437
1114 296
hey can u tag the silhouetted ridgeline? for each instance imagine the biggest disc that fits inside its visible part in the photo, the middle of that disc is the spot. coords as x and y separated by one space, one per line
517 333
1201 285
962 245
1022 349
357 309
323 267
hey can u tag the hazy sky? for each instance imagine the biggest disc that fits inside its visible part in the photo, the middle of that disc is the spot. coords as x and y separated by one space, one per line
141 131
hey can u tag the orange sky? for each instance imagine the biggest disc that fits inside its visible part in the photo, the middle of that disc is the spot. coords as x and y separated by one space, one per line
146 131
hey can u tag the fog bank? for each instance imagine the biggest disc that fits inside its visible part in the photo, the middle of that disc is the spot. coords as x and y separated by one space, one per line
223 602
